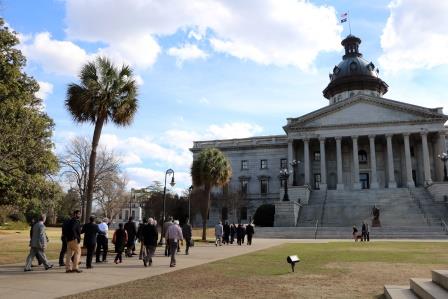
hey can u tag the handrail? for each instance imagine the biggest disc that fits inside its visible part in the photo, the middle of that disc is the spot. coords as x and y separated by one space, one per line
419 205
315 230
444 225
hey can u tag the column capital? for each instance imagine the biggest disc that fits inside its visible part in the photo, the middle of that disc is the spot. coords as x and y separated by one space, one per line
354 137
306 139
425 132
406 134
322 139
390 135
442 133
338 138
372 136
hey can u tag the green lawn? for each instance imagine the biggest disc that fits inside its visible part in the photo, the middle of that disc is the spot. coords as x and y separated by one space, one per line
328 270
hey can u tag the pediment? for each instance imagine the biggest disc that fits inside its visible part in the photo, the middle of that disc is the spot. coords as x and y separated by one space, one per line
366 110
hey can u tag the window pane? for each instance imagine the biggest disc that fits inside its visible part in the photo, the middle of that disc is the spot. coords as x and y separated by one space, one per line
283 163
264 164
244 164
316 156
264 186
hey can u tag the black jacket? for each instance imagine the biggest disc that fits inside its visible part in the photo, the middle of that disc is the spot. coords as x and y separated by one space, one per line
90 231
72 230
150 235
250 230
131 230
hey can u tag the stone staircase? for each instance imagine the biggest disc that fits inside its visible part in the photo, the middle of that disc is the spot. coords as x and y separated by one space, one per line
311 212
435 288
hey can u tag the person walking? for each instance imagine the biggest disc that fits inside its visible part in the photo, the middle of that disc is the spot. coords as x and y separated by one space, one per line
120 240
218 233
63 251
166 225
149 239
239 234
174 235
250 232
140 236
38 245
72 233
188 234
33 221
243 227
102 241
226 235
90 231
363 232
232 232
131 229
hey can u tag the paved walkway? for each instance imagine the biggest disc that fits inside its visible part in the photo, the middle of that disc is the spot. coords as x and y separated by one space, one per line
14 283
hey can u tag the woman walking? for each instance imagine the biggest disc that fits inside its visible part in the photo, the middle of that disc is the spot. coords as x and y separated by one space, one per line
119 239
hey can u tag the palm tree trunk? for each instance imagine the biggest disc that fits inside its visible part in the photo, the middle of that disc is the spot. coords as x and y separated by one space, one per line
90 184
205 215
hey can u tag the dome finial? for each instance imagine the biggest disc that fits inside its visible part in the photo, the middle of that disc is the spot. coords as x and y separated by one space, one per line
351 45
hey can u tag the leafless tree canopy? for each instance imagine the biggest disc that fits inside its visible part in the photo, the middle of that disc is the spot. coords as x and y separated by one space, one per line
75 170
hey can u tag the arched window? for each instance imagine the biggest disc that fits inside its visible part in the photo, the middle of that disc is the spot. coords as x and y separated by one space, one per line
362 157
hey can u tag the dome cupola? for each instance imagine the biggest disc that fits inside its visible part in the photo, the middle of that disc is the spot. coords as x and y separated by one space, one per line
353 75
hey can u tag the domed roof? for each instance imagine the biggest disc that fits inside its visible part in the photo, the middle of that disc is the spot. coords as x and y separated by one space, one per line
354 72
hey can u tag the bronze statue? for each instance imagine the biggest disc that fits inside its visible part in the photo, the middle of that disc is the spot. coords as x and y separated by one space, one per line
376 217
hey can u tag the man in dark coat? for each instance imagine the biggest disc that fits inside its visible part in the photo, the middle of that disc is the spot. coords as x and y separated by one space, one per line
140 236
249 232
187 233
239 234
90 231
131 229
232 232
72 233
226 233
149 239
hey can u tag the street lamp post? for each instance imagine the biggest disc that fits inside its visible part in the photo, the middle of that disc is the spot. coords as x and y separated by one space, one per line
444 158
284 175
189 202
172 183
130 201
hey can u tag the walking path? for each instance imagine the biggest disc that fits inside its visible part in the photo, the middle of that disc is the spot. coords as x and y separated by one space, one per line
14 283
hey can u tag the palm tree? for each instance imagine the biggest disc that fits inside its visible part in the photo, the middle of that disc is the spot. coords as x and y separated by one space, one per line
210 169
106 93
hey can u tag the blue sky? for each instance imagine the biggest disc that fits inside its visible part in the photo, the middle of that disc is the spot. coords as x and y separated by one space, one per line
211 69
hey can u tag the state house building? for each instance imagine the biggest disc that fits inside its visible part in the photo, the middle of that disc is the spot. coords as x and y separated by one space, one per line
360 140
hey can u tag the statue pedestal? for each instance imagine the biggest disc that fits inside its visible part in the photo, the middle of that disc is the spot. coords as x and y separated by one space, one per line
376 223
286 213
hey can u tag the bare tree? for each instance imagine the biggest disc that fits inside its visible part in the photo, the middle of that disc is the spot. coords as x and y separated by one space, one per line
111 195
75 167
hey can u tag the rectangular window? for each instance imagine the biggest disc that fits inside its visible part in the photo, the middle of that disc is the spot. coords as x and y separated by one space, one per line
316 156
283 163
412 151
126 215
263 164
244 164
244 184
317 181
224 213
120 216
133 214
263 186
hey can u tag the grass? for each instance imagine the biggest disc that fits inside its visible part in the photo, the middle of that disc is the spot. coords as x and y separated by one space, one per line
328 270
15 243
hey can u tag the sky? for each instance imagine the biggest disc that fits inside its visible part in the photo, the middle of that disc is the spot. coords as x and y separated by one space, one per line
218 69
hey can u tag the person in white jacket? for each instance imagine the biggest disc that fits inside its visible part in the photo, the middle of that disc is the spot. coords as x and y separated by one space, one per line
218 233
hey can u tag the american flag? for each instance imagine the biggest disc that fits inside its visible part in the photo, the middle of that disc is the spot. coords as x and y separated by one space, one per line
344 17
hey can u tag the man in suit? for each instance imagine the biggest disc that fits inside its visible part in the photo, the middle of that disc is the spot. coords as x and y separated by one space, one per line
38 245
90 231
72 233
149 239
102 241
131 229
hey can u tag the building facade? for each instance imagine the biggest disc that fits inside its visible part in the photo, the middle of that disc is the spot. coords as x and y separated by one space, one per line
361 140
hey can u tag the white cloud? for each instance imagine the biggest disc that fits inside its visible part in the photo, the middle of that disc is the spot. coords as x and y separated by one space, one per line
288 32
186 52
415 35
45 89
233 130
131 159
143 177
58 57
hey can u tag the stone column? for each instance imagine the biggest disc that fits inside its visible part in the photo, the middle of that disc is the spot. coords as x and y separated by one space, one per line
306 158
425 153
340 185
323 167
407 155
356 184
374 178
440 148
290 158
390 162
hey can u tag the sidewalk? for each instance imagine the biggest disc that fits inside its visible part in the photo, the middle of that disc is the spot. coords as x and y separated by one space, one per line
14 283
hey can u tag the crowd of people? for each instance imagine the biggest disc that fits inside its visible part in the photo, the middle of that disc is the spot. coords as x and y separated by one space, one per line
124 239
225 234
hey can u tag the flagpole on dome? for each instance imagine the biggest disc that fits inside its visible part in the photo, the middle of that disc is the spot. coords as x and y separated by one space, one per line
344 18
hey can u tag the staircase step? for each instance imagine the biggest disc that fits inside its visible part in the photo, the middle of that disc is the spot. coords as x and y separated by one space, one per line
398 292
427 289
440 277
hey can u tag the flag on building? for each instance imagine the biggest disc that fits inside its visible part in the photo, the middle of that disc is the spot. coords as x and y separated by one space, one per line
344 17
